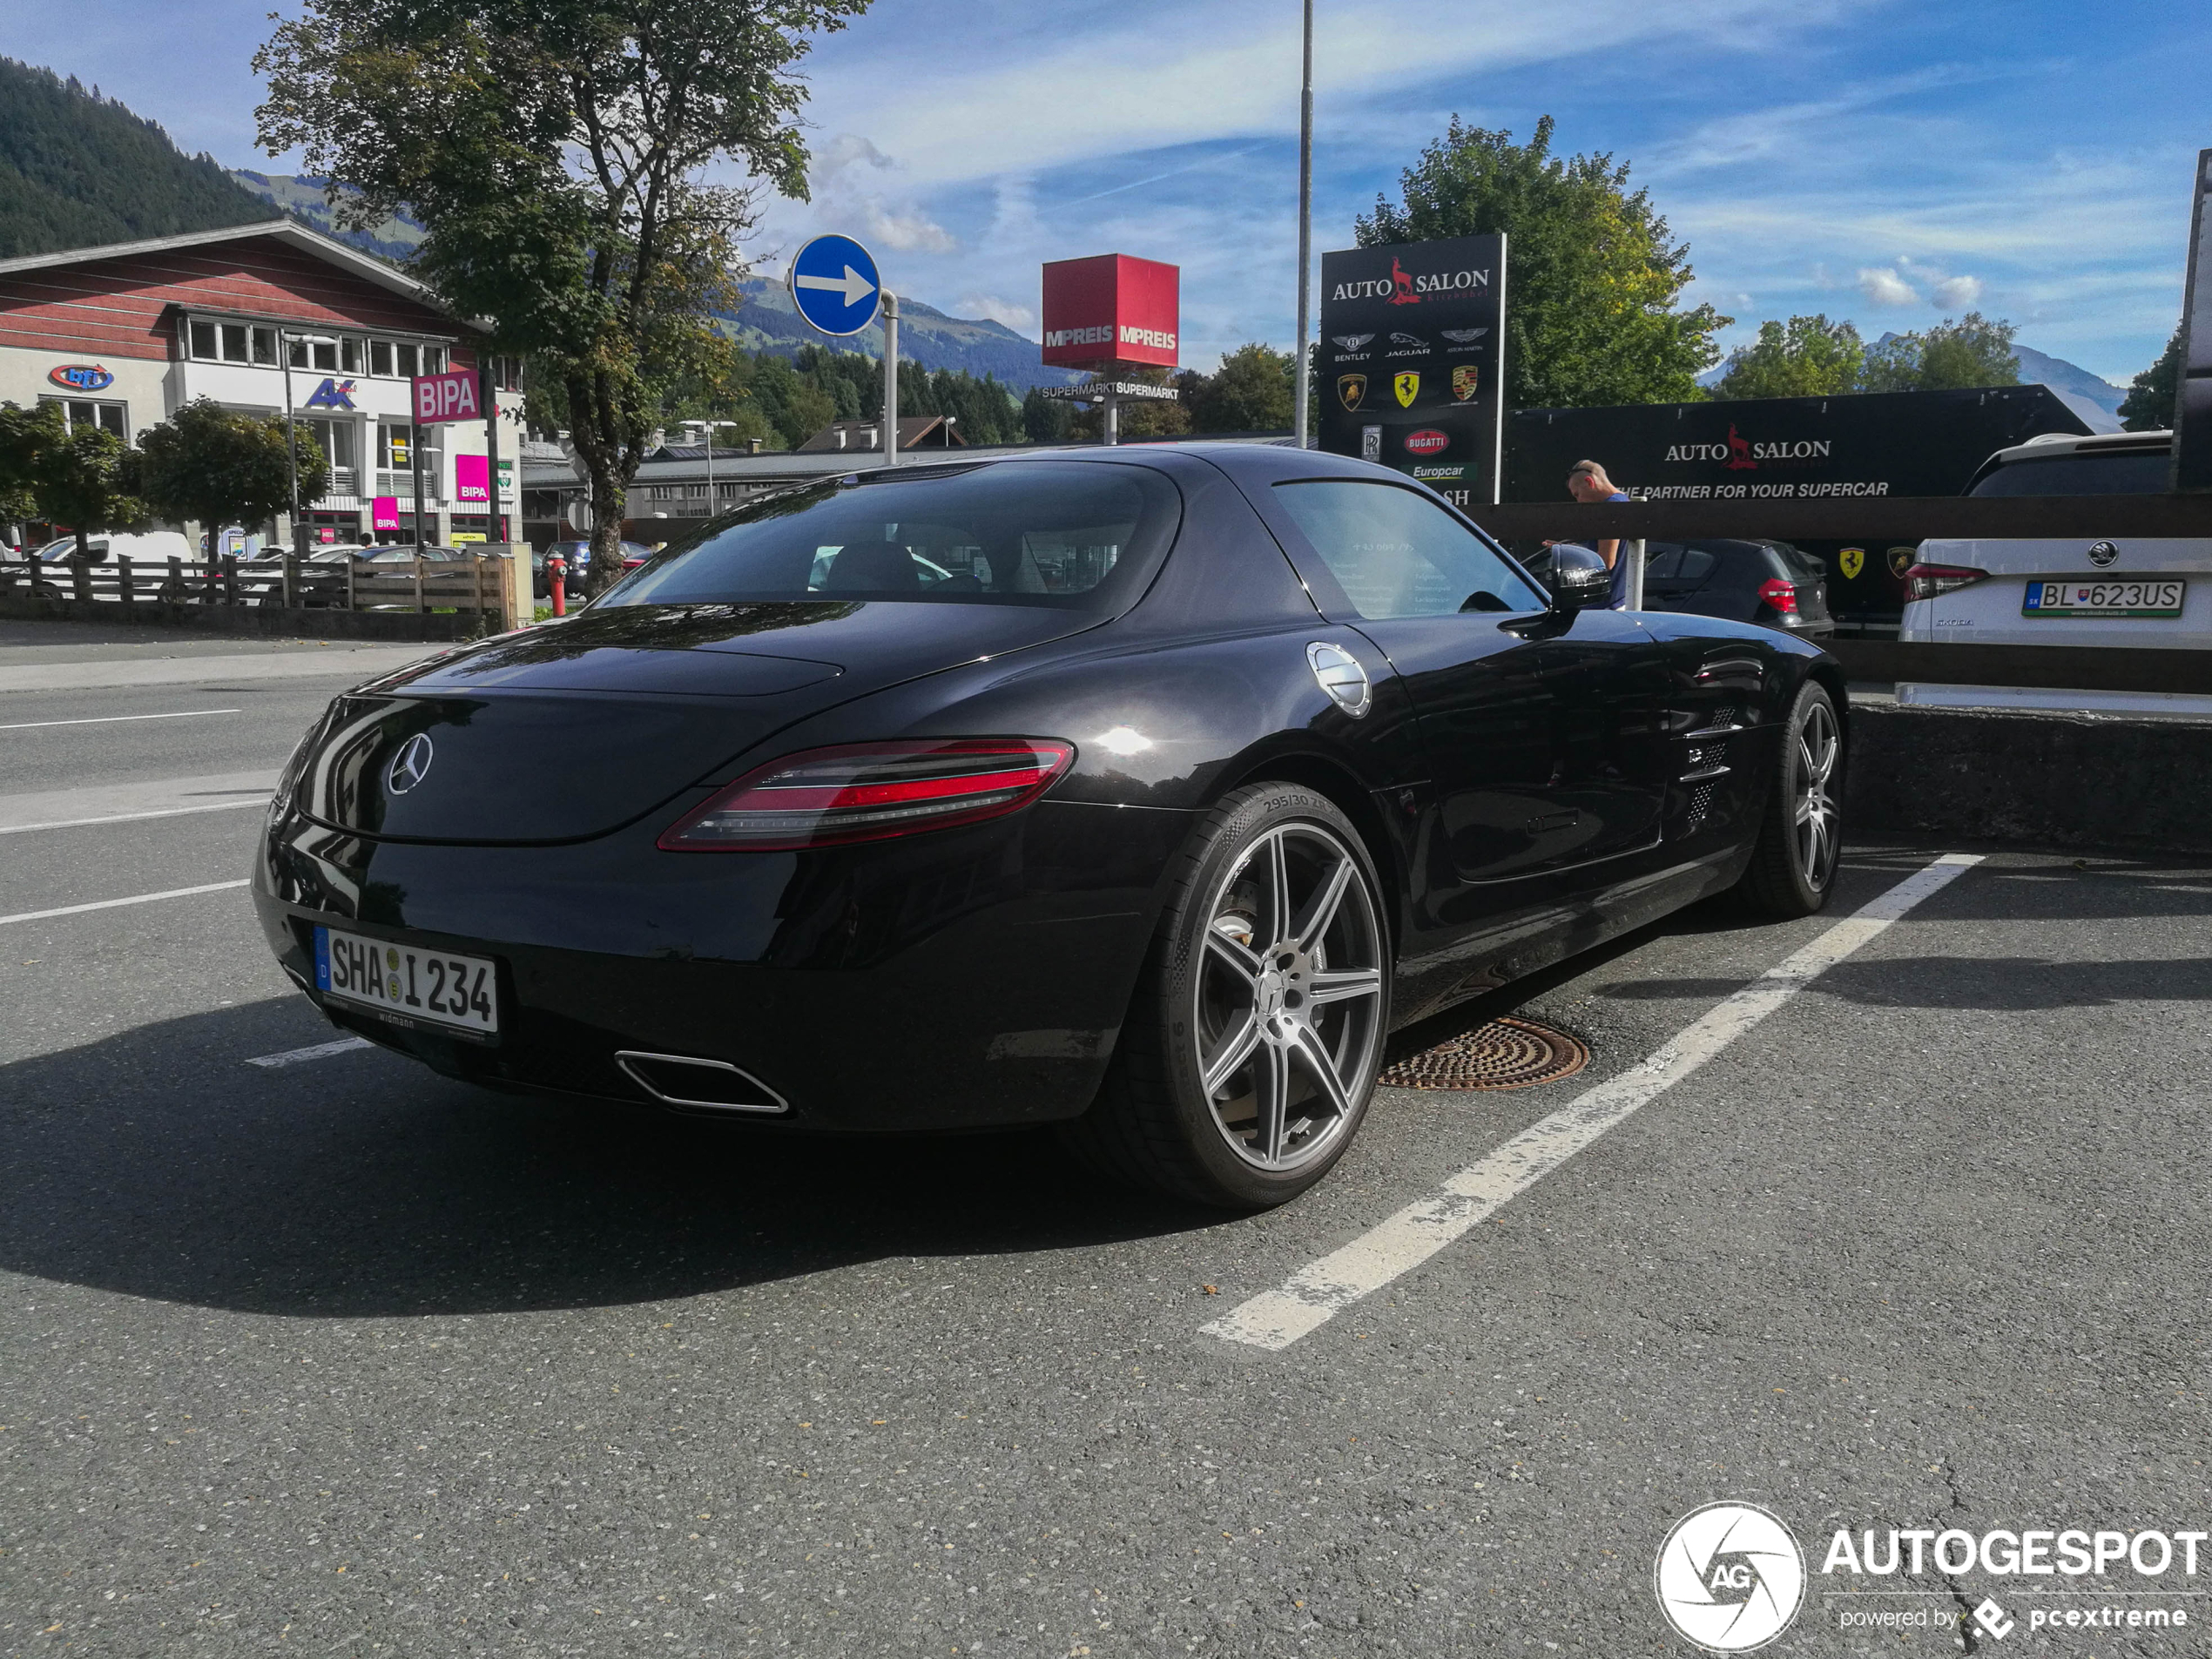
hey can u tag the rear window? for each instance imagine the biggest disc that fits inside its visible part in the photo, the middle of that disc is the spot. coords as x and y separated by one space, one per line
1796 563
1080 536
2143 473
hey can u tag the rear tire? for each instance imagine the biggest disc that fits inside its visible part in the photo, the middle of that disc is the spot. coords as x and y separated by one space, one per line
1253 1044
1793 867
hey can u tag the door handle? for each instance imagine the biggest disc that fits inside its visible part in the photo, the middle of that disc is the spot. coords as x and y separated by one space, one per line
1551 821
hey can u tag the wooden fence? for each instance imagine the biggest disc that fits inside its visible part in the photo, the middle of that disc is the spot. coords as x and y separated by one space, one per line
417 585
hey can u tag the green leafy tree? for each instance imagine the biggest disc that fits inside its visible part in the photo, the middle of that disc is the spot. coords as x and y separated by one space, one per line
83 481
1806 357
1047 419
220 468
2148 405
1251 392
1140 418
1595 276
1972 351
555 151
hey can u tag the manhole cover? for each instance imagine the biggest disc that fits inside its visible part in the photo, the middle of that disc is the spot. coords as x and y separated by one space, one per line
1504 1054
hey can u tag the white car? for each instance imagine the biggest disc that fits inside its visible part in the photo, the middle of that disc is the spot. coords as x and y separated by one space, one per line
2065 591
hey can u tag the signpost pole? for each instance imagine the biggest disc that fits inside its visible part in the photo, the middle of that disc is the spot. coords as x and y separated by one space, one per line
415 460
1299 375
890 378
488 387
291 447
1109 419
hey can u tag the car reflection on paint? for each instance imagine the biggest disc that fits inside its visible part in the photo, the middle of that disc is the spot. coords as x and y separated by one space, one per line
1139 792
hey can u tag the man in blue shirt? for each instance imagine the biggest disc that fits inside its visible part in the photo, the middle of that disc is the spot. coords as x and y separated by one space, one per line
1588 482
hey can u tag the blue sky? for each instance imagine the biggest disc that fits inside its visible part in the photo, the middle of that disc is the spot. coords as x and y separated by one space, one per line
1889 161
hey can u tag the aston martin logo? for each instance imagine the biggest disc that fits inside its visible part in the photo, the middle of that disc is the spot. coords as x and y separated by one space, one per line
1407 385
1854 560
410 765
1350 342
1466 377
1350 389
1464 336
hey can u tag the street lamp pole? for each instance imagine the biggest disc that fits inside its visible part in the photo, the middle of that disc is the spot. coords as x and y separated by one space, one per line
1298 375
291 454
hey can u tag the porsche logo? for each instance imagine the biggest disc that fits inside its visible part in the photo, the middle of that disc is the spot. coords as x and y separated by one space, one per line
1853 559
1352 389
1465 379
1901 560
1407 385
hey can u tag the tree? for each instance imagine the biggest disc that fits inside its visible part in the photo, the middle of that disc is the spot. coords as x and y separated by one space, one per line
82 481
1972 351
1808 357
1251 392
1594 277
1139 417
555 152
2148 405
220 468
1047 419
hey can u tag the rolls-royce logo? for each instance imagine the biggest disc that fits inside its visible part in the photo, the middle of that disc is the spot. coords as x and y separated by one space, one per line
410 765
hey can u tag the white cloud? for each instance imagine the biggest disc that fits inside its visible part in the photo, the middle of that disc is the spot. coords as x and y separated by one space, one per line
911 231
1883 286
1016 316
1957 293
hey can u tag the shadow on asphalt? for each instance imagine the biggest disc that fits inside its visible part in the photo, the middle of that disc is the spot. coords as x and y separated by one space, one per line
157 1163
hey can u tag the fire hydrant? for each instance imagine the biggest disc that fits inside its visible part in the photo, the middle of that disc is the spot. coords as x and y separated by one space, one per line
557 570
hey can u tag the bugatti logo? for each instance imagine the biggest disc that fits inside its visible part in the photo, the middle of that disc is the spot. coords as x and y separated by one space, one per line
1729 1577
1350 389
1427 441
1350 342
2102 553
1465 379
1854 560
81 377
1407 385
410 765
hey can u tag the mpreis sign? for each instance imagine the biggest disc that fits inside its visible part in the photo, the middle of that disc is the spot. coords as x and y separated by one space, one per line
1110 309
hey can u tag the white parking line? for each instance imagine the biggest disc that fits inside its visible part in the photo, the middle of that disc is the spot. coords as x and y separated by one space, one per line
113 904
321 1051
126 818
112 719
1316 1292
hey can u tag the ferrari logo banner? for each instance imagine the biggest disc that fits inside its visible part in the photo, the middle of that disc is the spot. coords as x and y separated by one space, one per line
1853 559
1407 384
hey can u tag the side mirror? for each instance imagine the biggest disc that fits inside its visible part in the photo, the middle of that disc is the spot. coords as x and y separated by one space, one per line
1580 579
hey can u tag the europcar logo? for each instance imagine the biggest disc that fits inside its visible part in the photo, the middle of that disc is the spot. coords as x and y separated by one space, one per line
1729 1577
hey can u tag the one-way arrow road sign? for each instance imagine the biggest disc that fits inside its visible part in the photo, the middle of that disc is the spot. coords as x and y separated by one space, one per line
835 285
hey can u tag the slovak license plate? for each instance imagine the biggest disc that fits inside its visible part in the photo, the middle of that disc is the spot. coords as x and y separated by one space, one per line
407 984
2103 597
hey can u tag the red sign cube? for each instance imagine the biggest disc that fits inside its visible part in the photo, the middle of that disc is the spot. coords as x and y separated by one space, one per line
1110 309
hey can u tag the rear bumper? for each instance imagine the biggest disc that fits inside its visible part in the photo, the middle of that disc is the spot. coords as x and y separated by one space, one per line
966 978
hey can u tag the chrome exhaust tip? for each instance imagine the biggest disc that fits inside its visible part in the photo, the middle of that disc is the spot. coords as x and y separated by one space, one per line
699 1085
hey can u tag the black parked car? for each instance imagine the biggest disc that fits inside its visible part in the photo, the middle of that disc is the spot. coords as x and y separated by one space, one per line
1144 791
1770 583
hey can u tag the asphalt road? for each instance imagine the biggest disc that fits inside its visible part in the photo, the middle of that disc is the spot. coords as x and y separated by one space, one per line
338 1357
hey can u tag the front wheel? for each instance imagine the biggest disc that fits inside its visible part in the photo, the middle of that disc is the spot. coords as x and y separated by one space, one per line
1252 1045
1793 868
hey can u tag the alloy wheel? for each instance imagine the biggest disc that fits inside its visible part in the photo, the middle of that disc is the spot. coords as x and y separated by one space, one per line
1289 997
1819 746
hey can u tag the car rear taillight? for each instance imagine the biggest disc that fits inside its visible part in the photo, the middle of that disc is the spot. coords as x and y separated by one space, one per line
1925 580
864 792
1783 596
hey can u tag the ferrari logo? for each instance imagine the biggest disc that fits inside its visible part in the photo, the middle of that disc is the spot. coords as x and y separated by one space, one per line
1407 384
1853 559
1351 389
1901 560
1465 379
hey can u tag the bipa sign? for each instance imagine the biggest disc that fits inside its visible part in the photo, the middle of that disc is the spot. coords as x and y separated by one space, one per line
449 396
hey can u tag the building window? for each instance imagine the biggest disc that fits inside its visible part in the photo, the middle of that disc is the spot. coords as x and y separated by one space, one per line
200 340
379 358
433 360
349 357
320 355
264 346
395 460
409 358
341 444
80 415
233 336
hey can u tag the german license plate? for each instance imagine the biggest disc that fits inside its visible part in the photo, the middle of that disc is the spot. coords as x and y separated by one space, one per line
2103 597
407 984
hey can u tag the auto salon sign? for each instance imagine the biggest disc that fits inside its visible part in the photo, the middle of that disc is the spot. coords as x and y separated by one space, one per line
1412 356
1111 308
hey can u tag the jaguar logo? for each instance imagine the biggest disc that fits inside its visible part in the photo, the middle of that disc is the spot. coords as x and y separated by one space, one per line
410 765
2102 553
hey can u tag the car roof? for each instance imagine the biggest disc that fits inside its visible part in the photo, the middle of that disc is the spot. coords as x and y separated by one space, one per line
2046 446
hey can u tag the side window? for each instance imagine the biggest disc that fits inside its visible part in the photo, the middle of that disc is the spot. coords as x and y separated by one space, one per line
1662 562
1696 565
1397 554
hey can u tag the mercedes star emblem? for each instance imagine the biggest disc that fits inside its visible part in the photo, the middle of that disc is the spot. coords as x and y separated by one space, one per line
409 766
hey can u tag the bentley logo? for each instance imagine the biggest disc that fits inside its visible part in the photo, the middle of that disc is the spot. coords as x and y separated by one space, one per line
410 765
2102 553
1407 385
1351 389
1350 342
1465 379
1854 560
1464 336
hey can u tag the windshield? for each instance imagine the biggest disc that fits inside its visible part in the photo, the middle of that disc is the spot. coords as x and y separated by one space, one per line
1076 535
2140 474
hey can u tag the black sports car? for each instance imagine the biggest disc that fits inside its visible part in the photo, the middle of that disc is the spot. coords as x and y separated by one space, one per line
1144 791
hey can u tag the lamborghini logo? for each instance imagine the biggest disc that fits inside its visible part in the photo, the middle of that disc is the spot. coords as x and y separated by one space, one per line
1350 389
1853 559
1406 385
1901 560
1465 379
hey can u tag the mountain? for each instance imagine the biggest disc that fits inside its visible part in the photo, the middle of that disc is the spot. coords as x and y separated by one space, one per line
2096 401
302 196
768 322
77 169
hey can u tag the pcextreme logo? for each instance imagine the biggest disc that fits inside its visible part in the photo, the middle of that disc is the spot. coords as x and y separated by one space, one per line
1729 1577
